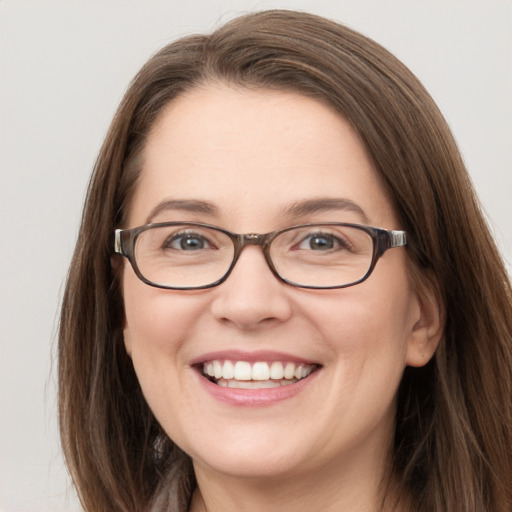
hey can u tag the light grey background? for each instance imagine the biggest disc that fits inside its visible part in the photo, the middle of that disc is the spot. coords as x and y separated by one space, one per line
63 68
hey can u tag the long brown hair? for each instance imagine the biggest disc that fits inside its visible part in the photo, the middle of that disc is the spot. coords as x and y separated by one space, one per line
453 440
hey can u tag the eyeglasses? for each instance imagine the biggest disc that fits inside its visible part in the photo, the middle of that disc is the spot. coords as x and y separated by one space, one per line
190 256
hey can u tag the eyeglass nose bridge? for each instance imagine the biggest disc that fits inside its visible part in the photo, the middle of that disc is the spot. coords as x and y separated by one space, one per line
261 240
252 239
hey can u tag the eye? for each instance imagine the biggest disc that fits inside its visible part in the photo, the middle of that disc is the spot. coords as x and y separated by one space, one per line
187 242
322 242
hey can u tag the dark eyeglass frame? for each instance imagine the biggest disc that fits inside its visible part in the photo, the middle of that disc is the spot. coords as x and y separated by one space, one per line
383 239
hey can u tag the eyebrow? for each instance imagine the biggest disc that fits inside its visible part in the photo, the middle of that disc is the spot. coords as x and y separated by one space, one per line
295 209
324 204
184 205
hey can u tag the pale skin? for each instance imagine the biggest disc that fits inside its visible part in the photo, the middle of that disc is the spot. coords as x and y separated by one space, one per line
251 156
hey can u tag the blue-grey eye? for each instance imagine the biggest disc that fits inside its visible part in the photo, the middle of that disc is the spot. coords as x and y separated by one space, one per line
320 242
188 242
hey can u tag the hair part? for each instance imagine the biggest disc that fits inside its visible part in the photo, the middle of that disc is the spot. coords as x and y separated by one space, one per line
453 440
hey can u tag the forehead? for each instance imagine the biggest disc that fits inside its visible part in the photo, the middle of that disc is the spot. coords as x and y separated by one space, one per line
252 153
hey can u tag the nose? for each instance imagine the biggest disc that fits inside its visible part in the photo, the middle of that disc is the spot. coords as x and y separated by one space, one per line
252 297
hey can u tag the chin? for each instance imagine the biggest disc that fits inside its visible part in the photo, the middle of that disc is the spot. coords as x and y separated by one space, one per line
247 467
256 456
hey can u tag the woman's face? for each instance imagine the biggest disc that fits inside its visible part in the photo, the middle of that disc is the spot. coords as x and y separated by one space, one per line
253 162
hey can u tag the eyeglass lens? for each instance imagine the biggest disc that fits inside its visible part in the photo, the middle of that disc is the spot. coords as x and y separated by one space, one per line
184 256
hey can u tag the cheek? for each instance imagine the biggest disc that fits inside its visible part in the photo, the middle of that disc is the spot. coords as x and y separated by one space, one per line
157 322
367 329
359 323
154 317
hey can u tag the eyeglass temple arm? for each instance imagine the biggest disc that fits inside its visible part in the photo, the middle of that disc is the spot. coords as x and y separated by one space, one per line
118 244
397 238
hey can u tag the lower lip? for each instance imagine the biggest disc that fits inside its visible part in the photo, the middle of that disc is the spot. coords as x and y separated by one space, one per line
256 397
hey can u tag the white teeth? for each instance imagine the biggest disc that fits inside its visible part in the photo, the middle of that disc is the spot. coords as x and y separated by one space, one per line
276 370
261 373
254 384
289 371
243 370
228 370
217 369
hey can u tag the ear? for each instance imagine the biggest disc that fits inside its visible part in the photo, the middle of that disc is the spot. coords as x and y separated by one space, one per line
115 263
428 325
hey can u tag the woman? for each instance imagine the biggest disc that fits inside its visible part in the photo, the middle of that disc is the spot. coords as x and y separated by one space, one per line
358 361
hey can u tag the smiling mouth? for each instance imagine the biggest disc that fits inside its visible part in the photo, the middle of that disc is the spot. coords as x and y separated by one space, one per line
258 375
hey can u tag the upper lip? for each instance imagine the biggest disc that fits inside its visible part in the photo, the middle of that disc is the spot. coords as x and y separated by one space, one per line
250 356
